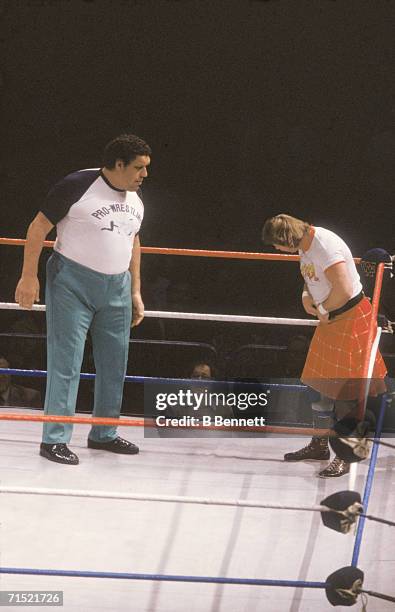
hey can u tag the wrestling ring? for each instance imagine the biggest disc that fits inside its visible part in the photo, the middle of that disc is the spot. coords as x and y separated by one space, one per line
145 512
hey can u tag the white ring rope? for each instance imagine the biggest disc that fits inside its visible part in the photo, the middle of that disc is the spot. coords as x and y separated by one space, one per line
164 314
205 501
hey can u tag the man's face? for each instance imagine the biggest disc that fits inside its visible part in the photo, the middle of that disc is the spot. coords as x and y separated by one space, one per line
202 370
4 378
285 249
131 176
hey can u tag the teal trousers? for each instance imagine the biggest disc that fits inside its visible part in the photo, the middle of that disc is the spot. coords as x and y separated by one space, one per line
79 299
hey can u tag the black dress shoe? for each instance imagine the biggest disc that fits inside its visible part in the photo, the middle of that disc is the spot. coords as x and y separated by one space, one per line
118 445
59 453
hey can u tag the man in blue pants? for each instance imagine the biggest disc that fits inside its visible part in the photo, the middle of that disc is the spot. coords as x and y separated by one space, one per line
93 279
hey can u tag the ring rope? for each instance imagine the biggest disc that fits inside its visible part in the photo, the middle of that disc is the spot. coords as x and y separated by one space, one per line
165 314
162 577
157 380
350 514
150 422
276 429
179 578
205 501
136 422
187 252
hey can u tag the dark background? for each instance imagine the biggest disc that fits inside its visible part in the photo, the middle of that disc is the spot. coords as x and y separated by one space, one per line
251 108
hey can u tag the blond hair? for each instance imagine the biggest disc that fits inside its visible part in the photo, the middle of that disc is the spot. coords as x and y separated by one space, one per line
284 230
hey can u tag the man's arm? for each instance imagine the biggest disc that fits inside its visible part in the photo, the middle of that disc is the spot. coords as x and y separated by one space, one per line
134 268
341 291
341 283
28 288
308 302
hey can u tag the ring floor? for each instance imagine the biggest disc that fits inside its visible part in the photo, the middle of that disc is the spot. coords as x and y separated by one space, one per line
174 538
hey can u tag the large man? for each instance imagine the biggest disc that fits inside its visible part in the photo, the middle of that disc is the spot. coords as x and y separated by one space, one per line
338 351
93 278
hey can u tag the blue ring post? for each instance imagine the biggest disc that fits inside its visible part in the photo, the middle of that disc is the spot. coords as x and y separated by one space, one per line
369 480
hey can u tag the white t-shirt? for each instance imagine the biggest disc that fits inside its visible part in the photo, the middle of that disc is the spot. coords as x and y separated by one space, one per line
95 222
326 250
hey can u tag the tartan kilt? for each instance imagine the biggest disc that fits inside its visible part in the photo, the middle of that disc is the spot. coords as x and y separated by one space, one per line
337 353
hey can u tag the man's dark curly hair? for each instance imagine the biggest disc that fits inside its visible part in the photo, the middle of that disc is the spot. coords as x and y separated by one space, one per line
125 147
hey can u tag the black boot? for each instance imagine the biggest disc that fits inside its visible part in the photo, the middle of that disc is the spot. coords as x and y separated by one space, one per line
336 468
317 449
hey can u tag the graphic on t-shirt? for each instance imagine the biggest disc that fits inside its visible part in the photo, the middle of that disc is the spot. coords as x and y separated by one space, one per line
308 272
102 212
127 229
111 228
122 226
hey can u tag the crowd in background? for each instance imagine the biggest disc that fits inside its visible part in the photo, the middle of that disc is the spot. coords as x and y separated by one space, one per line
175 346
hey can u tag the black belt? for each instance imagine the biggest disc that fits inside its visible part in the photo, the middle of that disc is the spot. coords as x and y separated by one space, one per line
347 306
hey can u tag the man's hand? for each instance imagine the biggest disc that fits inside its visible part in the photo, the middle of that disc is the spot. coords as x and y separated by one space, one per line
28 288
309 305
27 291
311 308
324 319
138 309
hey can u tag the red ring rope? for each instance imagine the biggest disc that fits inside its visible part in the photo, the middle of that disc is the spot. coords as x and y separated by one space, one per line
189 252
151 423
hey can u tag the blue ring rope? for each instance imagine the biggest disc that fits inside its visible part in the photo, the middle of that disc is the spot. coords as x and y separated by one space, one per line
163 577
369 481
154 379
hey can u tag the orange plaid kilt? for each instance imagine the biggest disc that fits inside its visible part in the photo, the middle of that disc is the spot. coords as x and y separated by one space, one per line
335 361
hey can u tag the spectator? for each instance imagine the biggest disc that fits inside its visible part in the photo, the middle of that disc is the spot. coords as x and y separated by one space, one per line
202 370
295 356
16 395
285 406
28 351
